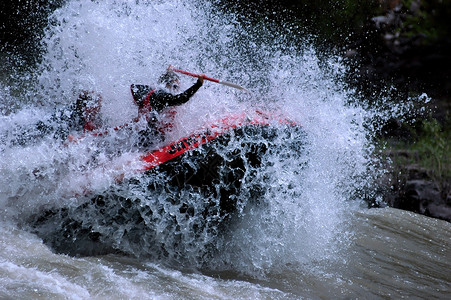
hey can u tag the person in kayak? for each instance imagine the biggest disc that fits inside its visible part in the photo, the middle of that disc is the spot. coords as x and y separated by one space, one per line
156 104
81 116
85 114
149 99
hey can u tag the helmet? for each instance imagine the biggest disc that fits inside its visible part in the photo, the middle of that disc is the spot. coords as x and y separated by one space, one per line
169 78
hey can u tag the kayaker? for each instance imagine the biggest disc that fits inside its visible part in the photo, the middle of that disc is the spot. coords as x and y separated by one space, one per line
156 104
87 111
156 99
85 114
81 116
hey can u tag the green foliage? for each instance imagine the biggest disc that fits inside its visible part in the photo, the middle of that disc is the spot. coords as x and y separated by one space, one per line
430 19
430 150
434 148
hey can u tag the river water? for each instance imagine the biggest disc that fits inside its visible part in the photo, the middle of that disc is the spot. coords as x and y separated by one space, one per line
394 254
312 236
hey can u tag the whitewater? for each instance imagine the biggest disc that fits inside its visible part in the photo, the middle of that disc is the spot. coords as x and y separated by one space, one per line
309 234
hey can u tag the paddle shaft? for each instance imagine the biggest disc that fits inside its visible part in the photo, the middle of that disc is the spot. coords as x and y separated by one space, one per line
195 75
210 79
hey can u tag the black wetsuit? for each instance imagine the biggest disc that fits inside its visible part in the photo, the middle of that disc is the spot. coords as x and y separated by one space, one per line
158 99
150 103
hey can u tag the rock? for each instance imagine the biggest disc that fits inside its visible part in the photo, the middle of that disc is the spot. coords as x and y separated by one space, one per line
424 197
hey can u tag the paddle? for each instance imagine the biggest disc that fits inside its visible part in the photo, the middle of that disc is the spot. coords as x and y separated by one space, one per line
209 78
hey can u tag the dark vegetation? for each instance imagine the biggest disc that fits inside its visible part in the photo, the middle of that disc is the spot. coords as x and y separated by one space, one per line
403 44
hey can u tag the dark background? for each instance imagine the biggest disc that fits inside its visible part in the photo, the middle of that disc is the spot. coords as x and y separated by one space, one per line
22 24
412 48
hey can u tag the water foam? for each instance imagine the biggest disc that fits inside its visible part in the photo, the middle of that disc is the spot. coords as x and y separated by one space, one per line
107 45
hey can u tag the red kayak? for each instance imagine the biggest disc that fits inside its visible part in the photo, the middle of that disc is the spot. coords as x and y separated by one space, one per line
189 188
216 159
209 133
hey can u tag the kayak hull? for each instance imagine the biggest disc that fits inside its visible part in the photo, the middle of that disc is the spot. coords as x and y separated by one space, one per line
195 184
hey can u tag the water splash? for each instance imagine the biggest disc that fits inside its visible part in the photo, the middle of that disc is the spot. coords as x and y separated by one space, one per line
106 46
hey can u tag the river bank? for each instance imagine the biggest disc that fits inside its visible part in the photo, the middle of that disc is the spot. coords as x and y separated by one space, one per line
413 54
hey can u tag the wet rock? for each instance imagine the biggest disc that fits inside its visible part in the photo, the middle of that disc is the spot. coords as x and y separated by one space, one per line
410 187
425 197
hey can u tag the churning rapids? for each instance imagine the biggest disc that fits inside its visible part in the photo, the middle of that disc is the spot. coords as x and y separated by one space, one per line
299 227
